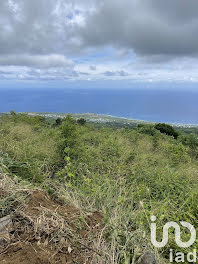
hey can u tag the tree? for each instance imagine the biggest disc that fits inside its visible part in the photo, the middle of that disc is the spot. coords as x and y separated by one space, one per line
58 121
12 113
167 129
81 121
69 131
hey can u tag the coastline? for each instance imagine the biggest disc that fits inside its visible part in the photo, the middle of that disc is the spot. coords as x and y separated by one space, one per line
106 118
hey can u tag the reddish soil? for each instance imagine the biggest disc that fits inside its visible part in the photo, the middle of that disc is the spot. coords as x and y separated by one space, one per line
47 232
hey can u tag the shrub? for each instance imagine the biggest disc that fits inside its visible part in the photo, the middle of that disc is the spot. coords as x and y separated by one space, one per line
12 113
57 123
167 129
35 120
191 141
26 152
146 129
69 134
81 121
177 153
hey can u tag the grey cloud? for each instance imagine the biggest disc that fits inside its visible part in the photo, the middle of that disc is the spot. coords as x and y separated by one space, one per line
5 73
36 27
38 61
92 68
52 74
154 27
31 32
84 73
115 73
41 26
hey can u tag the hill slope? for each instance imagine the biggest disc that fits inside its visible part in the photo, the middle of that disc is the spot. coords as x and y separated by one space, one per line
43 230
126 174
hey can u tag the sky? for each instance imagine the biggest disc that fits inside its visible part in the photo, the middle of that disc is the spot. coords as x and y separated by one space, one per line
102 42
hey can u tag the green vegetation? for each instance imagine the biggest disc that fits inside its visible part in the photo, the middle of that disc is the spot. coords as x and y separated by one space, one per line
128 174
81 121
167 129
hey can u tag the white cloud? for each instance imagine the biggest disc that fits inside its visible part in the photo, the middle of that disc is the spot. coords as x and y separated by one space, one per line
37 61
120 73
43 38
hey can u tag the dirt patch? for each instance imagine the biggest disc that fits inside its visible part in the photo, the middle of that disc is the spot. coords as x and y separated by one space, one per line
47 232
3 193
24 253
39 199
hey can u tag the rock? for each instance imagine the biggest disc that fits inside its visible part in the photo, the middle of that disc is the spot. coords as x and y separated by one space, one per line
5 229
148 258
5 222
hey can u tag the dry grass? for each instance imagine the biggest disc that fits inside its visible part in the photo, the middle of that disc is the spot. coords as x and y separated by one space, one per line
62 231
125 174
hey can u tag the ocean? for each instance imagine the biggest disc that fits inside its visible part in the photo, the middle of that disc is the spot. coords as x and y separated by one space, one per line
171 106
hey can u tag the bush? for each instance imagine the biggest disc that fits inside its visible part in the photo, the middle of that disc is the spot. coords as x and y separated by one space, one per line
58 122
167 129
177 153
35 120
146 129
81 121
191 141
69 134
26 152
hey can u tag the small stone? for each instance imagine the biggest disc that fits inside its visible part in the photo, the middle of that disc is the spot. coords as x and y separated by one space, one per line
5 229
5 223
148 258
69 250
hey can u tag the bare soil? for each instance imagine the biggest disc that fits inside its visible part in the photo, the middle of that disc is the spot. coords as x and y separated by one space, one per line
45 231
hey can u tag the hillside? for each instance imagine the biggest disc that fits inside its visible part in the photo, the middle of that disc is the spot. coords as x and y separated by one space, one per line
96 119
110 121
57 232
84 193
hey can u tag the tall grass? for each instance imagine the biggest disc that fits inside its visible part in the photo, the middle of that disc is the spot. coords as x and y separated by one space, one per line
131 176
127 174
31 152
